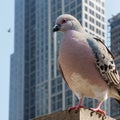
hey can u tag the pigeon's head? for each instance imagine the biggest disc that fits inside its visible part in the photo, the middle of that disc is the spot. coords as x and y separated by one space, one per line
66 22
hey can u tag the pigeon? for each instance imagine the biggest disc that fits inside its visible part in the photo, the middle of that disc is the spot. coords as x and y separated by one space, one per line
86 64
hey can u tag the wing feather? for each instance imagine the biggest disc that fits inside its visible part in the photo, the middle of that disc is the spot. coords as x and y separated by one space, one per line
105 62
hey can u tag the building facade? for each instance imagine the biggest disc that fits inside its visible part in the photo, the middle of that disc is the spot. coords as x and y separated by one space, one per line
16 99
36 86
115 48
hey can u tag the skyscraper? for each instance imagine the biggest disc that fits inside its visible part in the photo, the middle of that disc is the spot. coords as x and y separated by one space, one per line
17 66
36 86
115 48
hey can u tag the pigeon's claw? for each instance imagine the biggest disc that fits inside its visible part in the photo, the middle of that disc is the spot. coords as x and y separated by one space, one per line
76 108
98 110
71 108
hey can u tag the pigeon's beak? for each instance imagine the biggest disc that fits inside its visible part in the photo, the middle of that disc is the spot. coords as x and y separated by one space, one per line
56 28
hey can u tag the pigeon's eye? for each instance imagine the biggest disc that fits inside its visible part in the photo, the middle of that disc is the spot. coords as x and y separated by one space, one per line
64 21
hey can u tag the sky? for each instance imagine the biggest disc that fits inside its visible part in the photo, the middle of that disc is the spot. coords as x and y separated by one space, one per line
6 48
7 43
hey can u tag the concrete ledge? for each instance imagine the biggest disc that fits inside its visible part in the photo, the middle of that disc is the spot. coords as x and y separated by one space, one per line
83 114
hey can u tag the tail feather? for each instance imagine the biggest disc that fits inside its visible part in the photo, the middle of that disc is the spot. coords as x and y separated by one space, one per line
115 93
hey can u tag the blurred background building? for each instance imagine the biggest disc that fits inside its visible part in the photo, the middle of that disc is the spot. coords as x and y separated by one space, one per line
17 67
36 86
115 48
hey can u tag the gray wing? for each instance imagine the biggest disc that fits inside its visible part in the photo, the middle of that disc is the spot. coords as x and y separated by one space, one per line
105 62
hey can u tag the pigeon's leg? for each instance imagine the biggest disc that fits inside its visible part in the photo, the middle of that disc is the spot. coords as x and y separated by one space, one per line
97 109
78 106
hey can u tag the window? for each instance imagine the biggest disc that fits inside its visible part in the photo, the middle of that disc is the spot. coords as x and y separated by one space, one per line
102 4
103 19
66 8
96 30
72 5
102 11
59 88
103 27
66 2
91 12
86 8
98 16
86 16
99 32
79 16
79 1
98 8
86 1
91 27
91 4
98 23
79 8
68 93
73 12
59 12
86 24
103 34
91 19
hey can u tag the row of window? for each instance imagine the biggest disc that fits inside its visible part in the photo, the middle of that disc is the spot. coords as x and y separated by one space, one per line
92 20
56 102
115 23
94 14
91 27
92 4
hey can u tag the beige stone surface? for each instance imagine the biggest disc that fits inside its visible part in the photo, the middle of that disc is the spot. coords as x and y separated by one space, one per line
83 114
86 114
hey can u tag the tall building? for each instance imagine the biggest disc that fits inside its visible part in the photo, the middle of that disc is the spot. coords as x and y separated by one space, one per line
23 62
115 48
36 86
17 66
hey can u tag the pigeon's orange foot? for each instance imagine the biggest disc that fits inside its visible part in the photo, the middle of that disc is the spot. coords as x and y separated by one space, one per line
76 108
98 111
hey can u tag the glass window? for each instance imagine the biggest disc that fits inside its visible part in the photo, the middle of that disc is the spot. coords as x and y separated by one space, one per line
73 12
96 30
59 88
91 12
72 5
86 8
102 4
91 19
91 27
86 24
59 105
103 19
79 8
86 1
103 34
86 16
66 2
91 4
79 1
103 27
102 11
66 8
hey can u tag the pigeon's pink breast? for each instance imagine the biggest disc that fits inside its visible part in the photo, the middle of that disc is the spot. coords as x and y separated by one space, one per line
78 65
